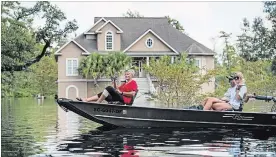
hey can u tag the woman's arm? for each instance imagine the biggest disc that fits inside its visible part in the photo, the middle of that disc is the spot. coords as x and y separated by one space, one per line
240 92
128 94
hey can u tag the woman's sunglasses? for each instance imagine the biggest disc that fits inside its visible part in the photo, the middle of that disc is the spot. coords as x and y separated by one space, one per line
236 78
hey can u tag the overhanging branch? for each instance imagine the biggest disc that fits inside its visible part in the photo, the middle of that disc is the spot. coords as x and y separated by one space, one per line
30 62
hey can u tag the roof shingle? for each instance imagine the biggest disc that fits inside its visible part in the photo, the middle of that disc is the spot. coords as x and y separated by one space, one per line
133 28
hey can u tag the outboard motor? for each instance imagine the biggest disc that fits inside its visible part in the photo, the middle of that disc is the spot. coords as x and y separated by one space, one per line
267 99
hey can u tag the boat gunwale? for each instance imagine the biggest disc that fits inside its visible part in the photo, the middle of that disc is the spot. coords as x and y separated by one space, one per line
177 109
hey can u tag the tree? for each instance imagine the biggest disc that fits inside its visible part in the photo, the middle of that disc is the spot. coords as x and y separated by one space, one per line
96 65
257 41
45 75
92 66
19 39
116 62
130 13
175 23
253 43
257 73
229 53
179 82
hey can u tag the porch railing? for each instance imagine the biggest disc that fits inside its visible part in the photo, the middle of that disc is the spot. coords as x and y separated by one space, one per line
151 86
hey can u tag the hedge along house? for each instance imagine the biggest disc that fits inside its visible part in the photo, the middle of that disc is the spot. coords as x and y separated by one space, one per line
140 38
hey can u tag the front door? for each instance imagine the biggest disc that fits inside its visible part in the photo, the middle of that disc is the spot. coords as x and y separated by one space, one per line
140 67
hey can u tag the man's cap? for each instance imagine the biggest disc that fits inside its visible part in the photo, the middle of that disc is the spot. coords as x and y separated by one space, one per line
232 76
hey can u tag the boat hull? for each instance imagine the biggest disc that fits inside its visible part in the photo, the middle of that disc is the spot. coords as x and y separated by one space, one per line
143 117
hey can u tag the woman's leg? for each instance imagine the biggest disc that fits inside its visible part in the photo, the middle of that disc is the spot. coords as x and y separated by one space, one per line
110 94
93 98
204 101
210 101
221 106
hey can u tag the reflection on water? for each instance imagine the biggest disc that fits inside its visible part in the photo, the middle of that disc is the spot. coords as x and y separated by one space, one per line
167 142
32 128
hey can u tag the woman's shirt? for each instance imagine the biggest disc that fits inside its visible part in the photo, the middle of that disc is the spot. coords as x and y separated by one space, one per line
128 87
233 100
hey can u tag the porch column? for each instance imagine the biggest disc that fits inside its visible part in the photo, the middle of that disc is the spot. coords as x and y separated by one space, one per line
172 59
147 61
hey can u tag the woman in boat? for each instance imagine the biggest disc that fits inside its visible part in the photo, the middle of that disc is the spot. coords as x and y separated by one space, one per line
123 93
235 95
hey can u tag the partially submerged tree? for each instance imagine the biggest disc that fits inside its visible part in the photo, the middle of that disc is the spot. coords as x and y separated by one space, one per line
96 65
180 82
116 62
45 75
92 67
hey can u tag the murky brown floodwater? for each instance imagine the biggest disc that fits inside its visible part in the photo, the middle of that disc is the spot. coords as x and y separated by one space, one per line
32 128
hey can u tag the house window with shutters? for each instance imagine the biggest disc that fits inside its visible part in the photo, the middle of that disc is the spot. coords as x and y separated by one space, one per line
109 41
72 66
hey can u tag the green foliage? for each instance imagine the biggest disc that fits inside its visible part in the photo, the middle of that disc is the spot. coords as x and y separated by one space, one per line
23 46
17 84
45 75
96 65
179 82
258 42
19 39
254 42
116 62
258 74
39 78
92 66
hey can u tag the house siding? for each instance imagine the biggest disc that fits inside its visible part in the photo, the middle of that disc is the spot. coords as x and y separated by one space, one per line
70 84
69 51
209 63
116 38
71 90
98 25
158 45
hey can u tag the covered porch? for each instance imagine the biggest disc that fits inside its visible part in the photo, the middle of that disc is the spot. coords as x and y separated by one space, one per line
140 61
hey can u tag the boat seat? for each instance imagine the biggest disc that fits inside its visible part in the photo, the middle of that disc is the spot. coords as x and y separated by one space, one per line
120 103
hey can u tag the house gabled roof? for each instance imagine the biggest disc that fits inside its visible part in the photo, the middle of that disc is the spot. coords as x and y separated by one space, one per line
99 20
58 51
133 28
120 30
150 31
196 50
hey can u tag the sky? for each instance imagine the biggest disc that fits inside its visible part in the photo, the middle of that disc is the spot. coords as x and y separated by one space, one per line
201 20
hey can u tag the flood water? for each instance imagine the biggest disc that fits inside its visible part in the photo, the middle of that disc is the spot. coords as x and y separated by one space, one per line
32 128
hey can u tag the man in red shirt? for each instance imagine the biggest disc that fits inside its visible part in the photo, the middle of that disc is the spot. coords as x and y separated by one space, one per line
123 93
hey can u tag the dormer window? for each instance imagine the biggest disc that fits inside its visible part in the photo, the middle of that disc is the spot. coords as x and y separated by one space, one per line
109 41
149 42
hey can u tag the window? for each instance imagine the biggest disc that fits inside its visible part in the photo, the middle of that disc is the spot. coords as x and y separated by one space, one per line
197 63
71 67
109 41
149 43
